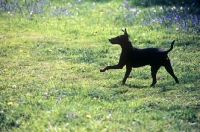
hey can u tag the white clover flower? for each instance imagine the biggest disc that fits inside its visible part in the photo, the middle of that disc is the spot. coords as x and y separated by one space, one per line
154 10
14 86
31 12
10 13
173 8
133 10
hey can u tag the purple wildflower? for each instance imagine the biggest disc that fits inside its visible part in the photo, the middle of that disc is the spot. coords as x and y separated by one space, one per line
193 4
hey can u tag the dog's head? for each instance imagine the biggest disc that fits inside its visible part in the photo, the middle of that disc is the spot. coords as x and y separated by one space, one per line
120 39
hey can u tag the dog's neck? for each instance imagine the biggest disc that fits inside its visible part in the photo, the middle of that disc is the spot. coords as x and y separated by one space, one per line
126 46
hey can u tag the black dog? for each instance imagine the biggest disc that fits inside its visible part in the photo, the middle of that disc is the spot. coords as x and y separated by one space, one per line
134 57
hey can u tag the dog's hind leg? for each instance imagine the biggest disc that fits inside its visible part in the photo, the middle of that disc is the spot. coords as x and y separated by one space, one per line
154 70
169 69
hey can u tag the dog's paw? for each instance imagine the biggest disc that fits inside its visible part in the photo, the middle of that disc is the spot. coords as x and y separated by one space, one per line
102 70
123 82
152 85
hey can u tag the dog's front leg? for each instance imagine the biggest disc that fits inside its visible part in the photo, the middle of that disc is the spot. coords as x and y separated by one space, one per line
128 71
118 66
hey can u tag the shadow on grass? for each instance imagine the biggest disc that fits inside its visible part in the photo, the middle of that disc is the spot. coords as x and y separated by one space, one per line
136 86
189 78
176 111
188 113
147 3
118 85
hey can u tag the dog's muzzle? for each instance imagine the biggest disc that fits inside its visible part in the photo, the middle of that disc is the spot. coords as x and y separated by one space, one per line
111 40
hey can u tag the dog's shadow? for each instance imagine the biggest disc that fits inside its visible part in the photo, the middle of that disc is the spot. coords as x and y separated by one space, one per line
162 87
118 85
136 86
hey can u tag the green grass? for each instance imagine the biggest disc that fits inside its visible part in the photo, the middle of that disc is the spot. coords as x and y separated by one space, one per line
50 79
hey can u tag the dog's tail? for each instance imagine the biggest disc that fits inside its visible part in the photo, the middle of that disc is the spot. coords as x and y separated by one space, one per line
172 44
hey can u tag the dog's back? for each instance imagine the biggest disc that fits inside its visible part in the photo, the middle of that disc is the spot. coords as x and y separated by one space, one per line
141 57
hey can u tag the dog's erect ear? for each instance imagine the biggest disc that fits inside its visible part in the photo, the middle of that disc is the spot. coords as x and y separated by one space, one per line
124 30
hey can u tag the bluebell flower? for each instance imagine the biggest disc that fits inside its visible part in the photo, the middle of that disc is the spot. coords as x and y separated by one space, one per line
125 2
193 4
40 2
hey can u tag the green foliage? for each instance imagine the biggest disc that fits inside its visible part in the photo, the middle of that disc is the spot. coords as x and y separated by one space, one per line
50 61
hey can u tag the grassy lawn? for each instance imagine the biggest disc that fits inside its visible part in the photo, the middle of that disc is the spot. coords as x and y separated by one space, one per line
51 53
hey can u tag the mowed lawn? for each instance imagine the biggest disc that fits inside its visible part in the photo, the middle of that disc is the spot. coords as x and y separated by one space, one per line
51 53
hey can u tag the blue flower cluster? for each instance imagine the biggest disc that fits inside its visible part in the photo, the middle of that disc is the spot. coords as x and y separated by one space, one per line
29 8
16 7
185 19
181 18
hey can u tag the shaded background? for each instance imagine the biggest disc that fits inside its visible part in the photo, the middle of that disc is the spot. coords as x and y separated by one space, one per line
146 3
